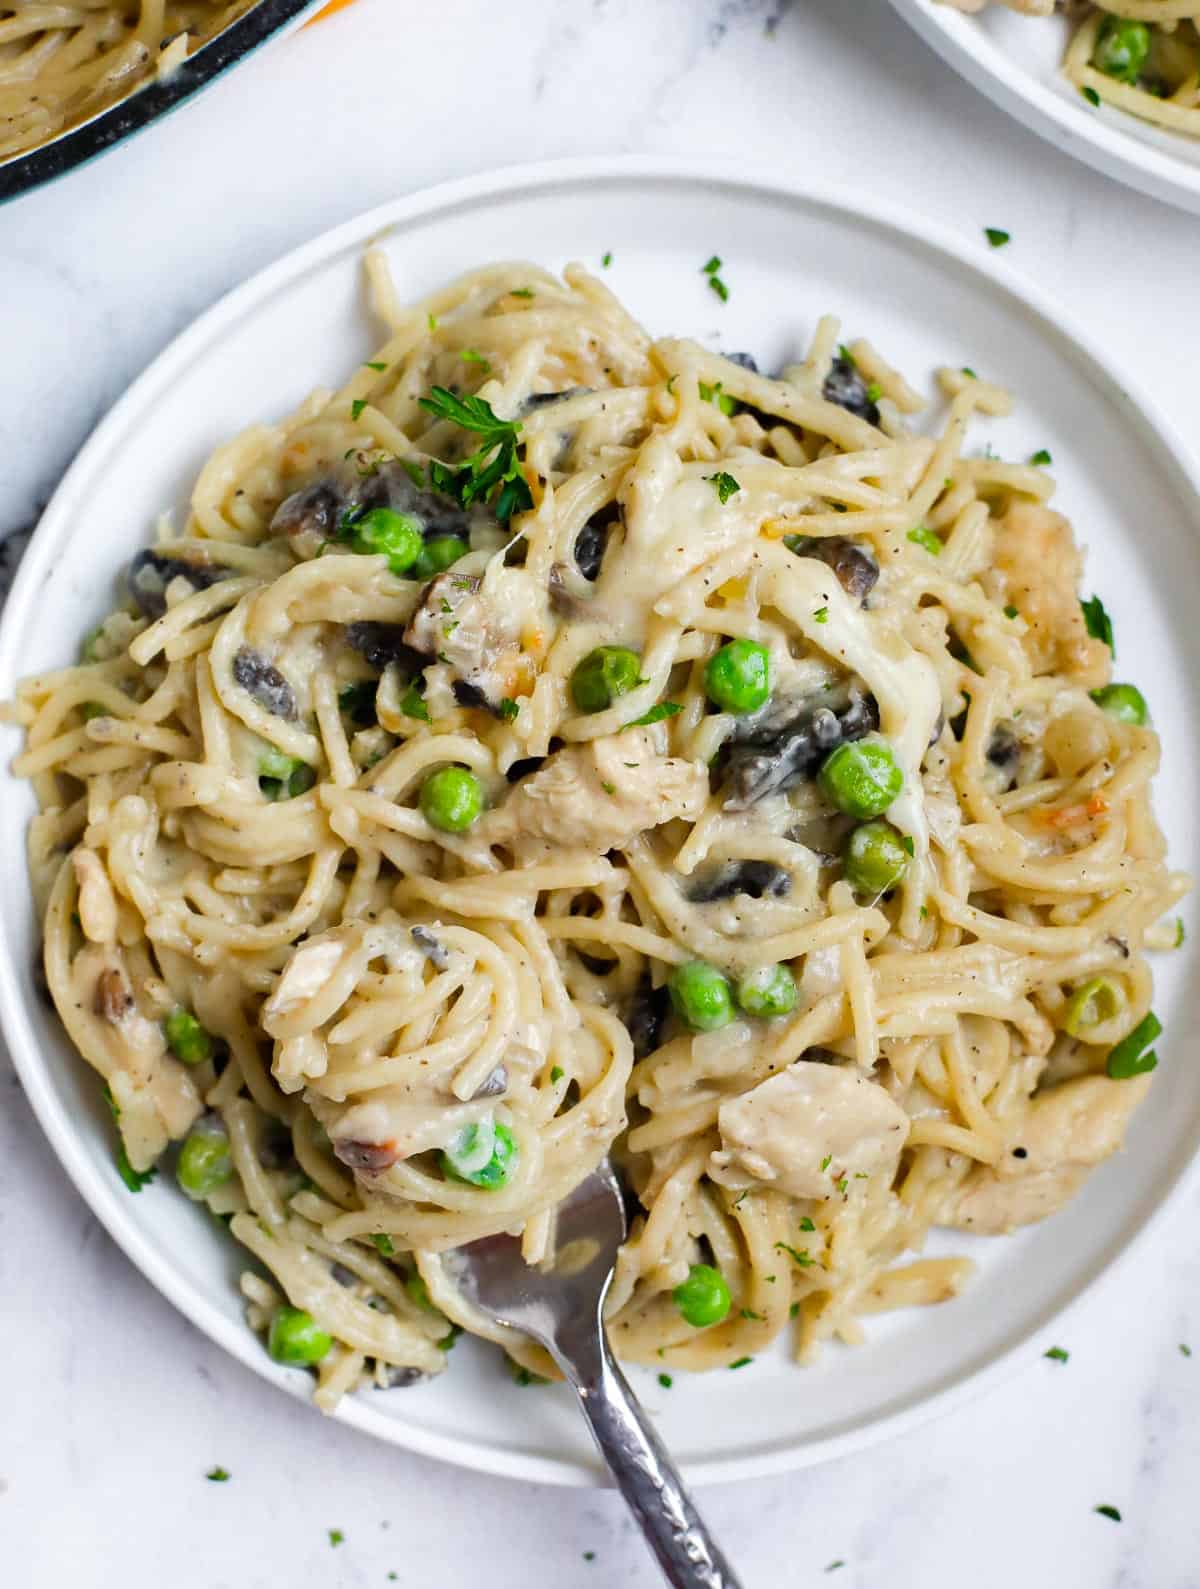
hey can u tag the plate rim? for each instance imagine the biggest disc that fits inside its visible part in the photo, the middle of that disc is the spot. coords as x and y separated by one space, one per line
1079 132
218 321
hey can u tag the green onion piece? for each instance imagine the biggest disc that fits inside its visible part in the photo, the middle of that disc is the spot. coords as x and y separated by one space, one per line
1097 1000
1130 1056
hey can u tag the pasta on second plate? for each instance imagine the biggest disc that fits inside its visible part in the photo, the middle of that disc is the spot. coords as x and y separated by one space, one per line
1141 56
558 742
61 64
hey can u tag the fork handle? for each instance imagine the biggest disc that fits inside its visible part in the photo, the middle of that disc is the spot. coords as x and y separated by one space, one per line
650 1482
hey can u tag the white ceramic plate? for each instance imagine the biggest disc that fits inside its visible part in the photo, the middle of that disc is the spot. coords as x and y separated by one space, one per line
1015 60
789 256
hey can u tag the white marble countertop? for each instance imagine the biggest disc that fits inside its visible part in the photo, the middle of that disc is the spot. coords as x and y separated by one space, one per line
114 1407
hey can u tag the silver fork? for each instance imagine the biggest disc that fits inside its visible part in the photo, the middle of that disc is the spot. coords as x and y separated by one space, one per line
560 1305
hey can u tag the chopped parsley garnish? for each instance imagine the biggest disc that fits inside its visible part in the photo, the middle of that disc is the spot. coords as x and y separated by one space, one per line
969 372
1185 1349
794 1311
521 292
1179 932
1011 612
741 1362
929 539
807 1224
1099 624
821 615
725 484
874 392
557 1073
655 715
383 1244
589 1555
907 842
826 1161
1133 1055
371 364
336 1537
508 709
714 394
431 322
134 1179
714 281
412 705
1090 94
1057 1354
834 1565
1041 457
606 259
665 1381
1108 1511
356 407
749 1313
842 1184
796 1255
473 356
996 237
609 788
495 468
217 1475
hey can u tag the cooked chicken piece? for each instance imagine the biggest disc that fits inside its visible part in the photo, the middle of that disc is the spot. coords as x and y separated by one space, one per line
601 795
1068 1131
475 633
155 1098
806 1129
1038 569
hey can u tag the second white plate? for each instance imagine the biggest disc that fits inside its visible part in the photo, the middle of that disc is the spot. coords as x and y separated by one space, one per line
1016 61
789 257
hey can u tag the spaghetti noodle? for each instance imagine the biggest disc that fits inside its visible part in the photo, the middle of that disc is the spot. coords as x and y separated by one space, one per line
369 858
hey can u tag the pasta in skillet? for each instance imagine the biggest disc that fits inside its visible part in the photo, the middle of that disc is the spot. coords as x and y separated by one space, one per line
61 64
558 742
1142 56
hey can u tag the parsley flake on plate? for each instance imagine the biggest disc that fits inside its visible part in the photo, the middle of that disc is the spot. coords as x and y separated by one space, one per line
1099 624
1057 1354
1108 1511
996 237
726 486
217 1475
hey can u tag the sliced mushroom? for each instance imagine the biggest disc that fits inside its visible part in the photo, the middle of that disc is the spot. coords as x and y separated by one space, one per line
371 1158
757 879
151 572
381 643
264 682
647 1016
852 562
769 756
113 997
433 948
845 386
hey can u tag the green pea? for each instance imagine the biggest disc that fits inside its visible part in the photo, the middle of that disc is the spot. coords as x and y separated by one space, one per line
186 1038
460 1161
703 1298
204 1162
1125 702
767 991
296 1338
700 995
737 678
861 778
1122 47
1099 999
875 857
437 555
451 799
398 535
602 675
